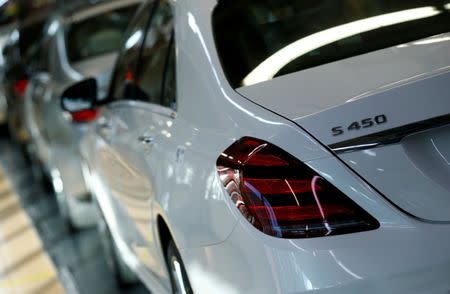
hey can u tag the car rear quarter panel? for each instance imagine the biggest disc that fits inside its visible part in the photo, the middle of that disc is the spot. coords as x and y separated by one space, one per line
210 117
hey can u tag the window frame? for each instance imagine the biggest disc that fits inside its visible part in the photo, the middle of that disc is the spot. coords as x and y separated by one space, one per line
151 8
146 10
72 23
172 45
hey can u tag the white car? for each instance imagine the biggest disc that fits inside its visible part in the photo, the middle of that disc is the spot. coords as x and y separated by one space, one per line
276 147
81 40
8 25
5 33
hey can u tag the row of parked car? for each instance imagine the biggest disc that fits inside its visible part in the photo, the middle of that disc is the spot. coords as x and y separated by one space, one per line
52 59
253 146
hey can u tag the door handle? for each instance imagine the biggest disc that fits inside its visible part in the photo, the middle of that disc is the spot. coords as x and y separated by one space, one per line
146 140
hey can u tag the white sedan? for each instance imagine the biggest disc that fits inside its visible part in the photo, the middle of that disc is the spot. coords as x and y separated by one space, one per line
276 147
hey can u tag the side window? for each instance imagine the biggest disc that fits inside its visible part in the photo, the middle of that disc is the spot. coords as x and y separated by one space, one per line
97 35
156 70
123 79
169 91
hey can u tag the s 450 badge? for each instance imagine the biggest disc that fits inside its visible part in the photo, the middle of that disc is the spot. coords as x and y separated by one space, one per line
358 125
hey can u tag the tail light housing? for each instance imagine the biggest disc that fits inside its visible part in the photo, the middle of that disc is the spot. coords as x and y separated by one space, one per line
84 116
20 87
283 197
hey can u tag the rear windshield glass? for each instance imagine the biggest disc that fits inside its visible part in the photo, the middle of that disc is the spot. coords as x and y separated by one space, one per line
258 40
98 35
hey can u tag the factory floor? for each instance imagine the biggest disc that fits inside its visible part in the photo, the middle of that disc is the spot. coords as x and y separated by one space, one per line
38 252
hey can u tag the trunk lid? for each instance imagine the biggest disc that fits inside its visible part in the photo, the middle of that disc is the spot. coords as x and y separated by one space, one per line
386 114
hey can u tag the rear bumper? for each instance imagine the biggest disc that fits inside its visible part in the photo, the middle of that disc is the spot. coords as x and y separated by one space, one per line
392 259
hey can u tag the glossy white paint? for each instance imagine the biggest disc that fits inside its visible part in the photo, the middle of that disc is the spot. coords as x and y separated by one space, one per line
404 103
300 95
413 174
172 177
389 260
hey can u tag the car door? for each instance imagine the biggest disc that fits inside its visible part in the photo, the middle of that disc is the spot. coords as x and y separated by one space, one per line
130 128
155 82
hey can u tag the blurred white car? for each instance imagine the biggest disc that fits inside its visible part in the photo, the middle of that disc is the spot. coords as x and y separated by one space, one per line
5 32
81 41
276 147
3 102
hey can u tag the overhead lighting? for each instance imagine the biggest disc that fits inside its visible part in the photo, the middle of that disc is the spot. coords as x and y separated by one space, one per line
53 27
272 65
133 39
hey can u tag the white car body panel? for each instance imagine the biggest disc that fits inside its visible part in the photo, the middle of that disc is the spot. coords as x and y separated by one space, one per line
175 179
361 263
424 99
351 79
415 171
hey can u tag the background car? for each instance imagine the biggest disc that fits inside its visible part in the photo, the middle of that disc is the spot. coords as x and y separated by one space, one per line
22 55
81 41
8 18
4 34
276 147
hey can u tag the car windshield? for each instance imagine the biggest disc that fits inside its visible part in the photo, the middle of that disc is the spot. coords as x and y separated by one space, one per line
98 35
258 40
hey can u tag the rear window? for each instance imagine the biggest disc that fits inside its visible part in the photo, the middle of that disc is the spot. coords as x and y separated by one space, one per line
98 35
258 40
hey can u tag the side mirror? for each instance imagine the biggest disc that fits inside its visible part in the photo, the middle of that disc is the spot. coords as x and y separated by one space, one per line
80 100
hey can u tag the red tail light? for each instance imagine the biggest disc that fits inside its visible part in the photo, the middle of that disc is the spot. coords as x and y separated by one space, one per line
19 87
129 76
285 198
84 116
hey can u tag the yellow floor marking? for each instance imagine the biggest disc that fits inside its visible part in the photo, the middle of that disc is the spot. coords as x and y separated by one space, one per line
24 265
12 225
7 200
4 185
27 279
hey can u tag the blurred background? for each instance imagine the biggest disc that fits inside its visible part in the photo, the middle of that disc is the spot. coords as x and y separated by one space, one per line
41 249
